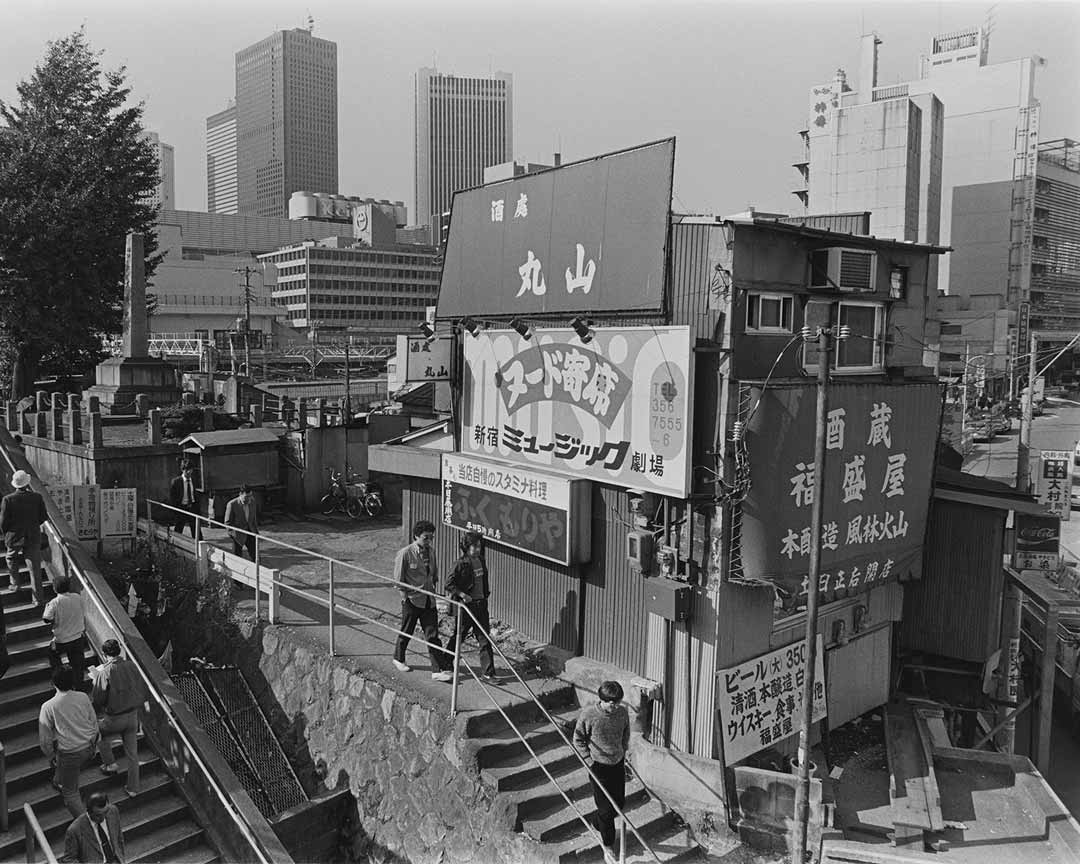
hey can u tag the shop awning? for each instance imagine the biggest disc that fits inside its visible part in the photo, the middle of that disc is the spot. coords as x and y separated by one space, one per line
953 485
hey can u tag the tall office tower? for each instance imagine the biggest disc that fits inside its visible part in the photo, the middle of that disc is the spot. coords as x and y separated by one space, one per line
286 121
1055 242
462 126
165 192
221 193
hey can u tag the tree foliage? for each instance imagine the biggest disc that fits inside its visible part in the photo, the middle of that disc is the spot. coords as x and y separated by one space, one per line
75 176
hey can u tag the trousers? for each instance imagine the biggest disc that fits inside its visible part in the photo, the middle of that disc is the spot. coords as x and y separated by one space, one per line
428 618
613 779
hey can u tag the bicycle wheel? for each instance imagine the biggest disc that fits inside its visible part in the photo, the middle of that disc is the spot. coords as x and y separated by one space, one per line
373 504
354 508
328 504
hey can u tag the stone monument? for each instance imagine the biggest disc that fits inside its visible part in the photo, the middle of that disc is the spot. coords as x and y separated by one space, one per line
120 379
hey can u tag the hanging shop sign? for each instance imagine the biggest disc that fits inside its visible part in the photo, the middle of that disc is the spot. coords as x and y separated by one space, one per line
1054 482
879 446
424 360
586 236
1038 542
616 410
761 701
540 513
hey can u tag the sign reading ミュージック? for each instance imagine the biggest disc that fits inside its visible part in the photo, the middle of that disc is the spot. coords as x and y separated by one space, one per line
879 454
616 409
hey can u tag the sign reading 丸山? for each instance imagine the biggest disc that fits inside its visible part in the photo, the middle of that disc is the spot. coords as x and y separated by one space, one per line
1054 481
542 514
1038 542
424 360
879 446
616 410
761 701
585 236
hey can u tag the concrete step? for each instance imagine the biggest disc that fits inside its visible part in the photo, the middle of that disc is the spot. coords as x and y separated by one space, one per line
520 771
28 693
496 748
656 823
18 609
25 747
168 844
485 724
14 723
562 823
33 776
29 667
27 630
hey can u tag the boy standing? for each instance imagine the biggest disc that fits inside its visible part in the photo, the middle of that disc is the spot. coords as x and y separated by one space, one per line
415 567
602 735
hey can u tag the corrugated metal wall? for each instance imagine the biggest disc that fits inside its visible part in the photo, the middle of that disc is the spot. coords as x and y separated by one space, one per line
955 609
695 252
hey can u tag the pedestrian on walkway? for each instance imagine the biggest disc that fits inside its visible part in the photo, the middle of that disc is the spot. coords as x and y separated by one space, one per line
183 496
415 567
118 694
602 737
66 616
22 513
469 584
242 512
68 733
97 835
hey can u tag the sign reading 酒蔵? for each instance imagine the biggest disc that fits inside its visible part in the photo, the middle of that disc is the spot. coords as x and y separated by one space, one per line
879 455
537 513
1054 481
423 360
761 701
585 236
616 410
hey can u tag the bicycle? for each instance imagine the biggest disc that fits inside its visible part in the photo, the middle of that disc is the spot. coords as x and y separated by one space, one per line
354 499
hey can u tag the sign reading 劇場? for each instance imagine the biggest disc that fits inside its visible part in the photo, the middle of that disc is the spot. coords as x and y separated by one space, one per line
761 701
879 456
616 410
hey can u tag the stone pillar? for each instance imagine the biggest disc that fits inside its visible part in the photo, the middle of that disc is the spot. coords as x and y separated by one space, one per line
11 416
142 404
73 400
97 438
262 414
56 424
74 418
135 339
42 401
93 405
256 415
301 413
40 424
320 412
155 426
208 418
187 398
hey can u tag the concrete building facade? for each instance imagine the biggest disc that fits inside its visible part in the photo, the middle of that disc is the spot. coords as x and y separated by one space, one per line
286 120
1055 252
165 193
221 183
462 126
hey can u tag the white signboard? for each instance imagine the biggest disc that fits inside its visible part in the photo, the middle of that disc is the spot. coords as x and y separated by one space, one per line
62 496
84 505
421 360
760 701
1054 481
118 513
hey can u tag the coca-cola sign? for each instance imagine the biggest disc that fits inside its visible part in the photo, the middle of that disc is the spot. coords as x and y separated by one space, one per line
1037 542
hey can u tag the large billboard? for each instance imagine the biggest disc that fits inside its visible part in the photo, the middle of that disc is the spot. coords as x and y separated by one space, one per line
586 236
616 409
879 457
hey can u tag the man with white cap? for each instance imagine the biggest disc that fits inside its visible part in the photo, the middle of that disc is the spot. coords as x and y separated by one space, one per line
22 513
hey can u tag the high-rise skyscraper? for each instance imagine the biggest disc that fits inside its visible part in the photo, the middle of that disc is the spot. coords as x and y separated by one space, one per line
462 125
221 192
165 193
286 121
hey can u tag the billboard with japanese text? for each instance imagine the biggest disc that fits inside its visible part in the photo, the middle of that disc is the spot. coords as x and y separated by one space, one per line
586 236
1054 482
879 458
423 360
616 409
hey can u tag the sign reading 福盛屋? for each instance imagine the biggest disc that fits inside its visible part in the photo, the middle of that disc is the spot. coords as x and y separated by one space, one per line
423 360
761 701
1054 481
616 410
879 456
538 513
584 237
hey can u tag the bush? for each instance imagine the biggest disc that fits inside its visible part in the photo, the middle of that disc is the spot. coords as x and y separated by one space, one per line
181 421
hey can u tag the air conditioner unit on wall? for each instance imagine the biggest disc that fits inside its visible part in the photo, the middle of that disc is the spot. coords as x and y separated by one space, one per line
838 269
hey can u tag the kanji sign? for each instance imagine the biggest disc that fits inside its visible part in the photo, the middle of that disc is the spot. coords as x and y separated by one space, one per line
1038 540
84 505
1054 481
118 513
543 514
616 410
422 360
761 700
877 484
585 236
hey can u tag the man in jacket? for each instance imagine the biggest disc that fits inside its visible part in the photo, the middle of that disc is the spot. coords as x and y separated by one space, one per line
183 496
241 512
22 513
468 583
118 694
68 733
415 567
97 835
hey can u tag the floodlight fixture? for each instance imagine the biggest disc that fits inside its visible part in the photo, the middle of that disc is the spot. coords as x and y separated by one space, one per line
584 332
522 328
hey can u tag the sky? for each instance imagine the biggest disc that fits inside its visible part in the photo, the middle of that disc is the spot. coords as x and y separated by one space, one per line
728 79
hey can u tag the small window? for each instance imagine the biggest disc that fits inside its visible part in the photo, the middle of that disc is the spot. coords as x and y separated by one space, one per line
863 350
952 329
769 313
898 277
1042 214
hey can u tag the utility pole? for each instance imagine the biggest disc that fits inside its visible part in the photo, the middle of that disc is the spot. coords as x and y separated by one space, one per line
1023 457
348 407
802 788
964 397
246 272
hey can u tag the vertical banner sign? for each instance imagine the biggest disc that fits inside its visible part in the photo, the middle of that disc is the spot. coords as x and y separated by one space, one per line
84 505
760 701
63 498
422 360
879 445
1054 482
1022 331
616 409
1038 540
118 513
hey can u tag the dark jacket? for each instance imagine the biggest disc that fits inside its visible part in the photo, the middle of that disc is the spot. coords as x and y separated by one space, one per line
176 490
463 578
81 843
118 687
21 516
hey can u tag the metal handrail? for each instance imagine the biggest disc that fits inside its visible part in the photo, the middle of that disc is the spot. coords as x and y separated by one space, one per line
36 837
461 608
3 790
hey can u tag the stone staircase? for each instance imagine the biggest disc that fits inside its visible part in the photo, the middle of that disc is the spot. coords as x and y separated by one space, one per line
158 826
542 812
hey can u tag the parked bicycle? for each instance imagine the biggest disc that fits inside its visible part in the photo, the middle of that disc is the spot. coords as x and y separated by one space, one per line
354 499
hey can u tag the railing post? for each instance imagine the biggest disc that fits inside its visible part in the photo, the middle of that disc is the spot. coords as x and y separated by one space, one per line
457 658
330 561
258 583
3 790
29 839
622 840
